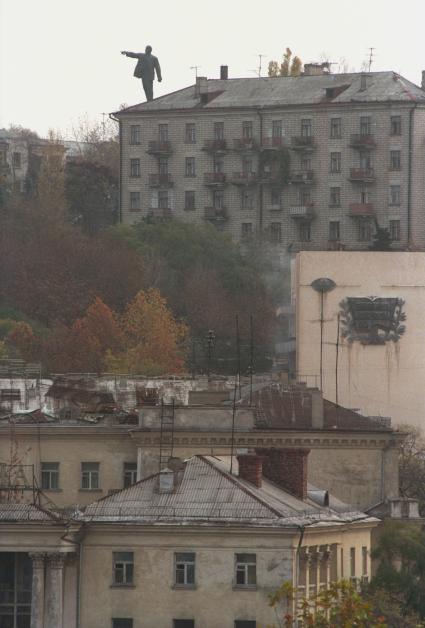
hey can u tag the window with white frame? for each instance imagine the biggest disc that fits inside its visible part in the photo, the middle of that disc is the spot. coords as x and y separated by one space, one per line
163 199
50 475
163 132
219 130
134 167
123 568
335 128
218 199
184 569
190 169
135 134
245 570
365 125
134 200
335 197
90 475
247 130
306 127
163 165
130 473
277 128
335 162
395 195
190 133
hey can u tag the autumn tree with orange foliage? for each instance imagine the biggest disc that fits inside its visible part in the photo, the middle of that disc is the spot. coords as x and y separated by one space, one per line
21 341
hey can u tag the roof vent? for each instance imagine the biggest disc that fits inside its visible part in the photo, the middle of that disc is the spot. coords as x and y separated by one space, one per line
224 72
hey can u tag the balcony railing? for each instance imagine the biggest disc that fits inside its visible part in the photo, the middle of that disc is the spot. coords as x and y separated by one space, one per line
362 175
160 213
216 214
244 178
244 143
362 209
362 141
159 148
302 212
302 177
215 178
215 146
273 142
301 142
160 180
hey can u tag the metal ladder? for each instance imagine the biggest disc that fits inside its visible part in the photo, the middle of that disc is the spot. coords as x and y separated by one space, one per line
166 438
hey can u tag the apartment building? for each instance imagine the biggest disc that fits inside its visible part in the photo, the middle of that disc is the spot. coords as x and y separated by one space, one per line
309 162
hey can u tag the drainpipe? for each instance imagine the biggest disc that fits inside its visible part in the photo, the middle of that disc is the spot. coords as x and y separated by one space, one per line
260 217
409 183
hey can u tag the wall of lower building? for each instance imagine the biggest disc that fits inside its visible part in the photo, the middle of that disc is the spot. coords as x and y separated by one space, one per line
385 379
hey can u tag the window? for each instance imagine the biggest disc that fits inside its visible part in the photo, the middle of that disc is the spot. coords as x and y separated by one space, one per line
335 162
246 567
247 165
163 199
190 133
335 197
335 128
305 163
189 199
218 165
305 232
184 569
247 130
16 160
395 160
364 561
122 568
90 475
163 132
134 167
130 473
305 197
190 167
275 197
247 199
276 232
395 127
219 130
364 196
50 475
364 231
365 125
245 623
352 562
183 623
122 623
277 128
365 161
395 195
218 199
134 200
135 134
334 231
163 165
246 230
306 128
395 230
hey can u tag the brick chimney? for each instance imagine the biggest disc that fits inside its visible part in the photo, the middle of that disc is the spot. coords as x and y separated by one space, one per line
224 72
251 468
201 86
287 468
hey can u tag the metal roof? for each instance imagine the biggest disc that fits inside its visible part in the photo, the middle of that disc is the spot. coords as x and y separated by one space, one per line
24 512
287 91
207 493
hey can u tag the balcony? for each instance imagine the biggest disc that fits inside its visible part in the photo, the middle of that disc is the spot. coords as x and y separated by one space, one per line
362 210
302 177
216 214
215 179
272 143
362 175
302 212
160 213
245 144
335 245
244 178
303 143
215 146
159 148
160 181
362 142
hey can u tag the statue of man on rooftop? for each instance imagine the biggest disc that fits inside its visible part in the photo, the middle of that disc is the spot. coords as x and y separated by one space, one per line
146 67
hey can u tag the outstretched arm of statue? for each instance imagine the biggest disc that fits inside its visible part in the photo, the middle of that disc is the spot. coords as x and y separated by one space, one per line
135 55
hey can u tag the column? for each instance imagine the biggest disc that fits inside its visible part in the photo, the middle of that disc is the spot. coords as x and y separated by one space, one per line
37 591
54 606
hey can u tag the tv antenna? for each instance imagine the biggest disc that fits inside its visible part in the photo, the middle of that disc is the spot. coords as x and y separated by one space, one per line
371 49
260 64
196 68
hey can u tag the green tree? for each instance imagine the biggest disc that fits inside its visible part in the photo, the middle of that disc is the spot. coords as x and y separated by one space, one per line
290 66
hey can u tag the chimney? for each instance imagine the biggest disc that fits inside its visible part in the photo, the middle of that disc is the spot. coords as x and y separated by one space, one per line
166 481
287 468
201 86
423 80
224 72
251 468
316 69
317 412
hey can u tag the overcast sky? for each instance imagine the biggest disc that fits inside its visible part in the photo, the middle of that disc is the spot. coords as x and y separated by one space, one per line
60 60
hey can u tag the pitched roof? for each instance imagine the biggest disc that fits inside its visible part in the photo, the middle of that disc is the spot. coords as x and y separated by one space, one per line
208 493
11 512
287 91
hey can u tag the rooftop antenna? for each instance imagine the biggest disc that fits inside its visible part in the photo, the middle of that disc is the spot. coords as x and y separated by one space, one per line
260 63
371 49
103 114
196 68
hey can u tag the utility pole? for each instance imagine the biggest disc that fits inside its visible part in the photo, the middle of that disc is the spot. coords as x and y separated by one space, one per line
196 68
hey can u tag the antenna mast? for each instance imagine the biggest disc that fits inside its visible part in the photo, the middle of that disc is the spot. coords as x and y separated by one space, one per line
371 49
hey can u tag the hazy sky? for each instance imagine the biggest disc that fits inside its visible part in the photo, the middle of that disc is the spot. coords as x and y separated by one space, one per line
60 60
